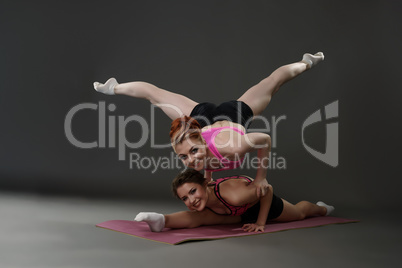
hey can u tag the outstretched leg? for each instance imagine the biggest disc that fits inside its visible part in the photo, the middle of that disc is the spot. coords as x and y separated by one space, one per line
184 219
174 105
259 96
302 210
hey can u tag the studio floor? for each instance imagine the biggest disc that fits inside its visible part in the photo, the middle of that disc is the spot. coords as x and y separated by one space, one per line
52 231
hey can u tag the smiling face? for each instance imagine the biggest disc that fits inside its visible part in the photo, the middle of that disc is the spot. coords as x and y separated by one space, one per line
193 195
192 153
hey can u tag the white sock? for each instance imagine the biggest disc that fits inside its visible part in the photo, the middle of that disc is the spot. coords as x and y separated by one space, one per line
313 60
155 221
329 208
106 88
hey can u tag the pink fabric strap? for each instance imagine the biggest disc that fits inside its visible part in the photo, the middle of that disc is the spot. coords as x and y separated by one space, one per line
235 210
209 136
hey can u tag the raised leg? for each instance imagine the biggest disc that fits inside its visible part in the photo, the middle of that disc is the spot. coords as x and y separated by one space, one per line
300 211
174 105
259 96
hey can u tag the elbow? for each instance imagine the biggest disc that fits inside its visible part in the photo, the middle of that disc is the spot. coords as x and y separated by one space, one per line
258 141
268 141
270 188
265 142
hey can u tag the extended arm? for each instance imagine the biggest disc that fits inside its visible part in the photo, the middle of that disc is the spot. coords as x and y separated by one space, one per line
239 193
265 206
263 162
262 143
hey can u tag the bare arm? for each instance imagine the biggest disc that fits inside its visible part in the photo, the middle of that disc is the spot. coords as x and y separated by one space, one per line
265 206
262 143
238 193
250 142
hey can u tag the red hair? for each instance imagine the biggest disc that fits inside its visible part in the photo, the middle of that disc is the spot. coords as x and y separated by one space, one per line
183 128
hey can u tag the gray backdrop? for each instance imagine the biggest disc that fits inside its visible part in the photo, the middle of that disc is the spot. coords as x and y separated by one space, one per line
52 52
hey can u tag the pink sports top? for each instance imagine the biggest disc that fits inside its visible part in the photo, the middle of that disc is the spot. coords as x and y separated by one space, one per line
209 137
234 210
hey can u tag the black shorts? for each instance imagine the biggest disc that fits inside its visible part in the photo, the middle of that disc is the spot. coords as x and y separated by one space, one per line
207 113
251 215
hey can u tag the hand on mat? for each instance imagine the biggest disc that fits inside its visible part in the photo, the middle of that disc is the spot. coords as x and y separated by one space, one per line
262 187
252 227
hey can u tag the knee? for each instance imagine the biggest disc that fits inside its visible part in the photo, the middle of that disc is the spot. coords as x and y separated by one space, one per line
302 207
301 216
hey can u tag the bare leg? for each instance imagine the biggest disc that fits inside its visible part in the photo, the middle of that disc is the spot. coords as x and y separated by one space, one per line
184 219
300 211
174 105
259 96
192 219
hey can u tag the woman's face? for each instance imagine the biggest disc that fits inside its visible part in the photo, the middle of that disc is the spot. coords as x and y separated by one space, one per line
193 195
192 152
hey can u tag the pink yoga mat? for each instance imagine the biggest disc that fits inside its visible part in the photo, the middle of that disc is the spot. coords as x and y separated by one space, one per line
177 236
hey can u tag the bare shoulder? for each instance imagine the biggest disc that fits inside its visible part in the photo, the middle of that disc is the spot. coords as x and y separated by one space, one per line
235 182
237 191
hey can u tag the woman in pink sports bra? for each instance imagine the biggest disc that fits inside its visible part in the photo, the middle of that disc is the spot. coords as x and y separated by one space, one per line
222 141
220 146
228 200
